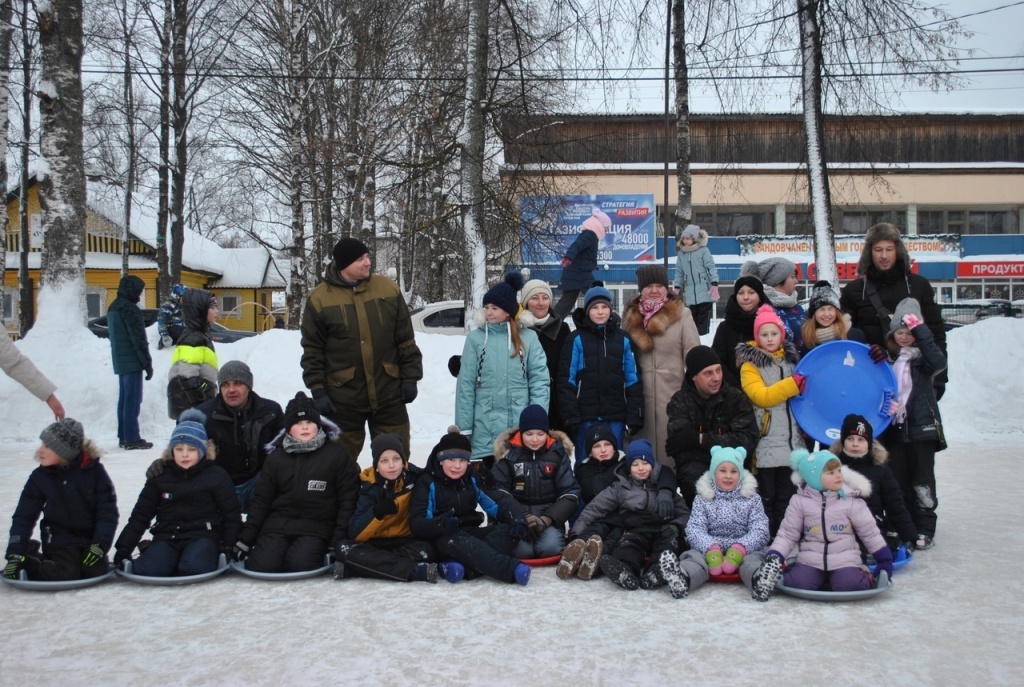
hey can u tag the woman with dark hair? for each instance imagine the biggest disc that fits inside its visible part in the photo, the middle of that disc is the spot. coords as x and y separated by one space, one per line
738 326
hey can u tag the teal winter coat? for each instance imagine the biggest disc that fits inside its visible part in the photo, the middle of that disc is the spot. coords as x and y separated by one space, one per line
126 328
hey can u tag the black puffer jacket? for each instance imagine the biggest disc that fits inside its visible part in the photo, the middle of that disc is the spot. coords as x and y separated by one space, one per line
737 328
886 497
77 502
923 422
241 436
552 336
305 494
541 481
190 504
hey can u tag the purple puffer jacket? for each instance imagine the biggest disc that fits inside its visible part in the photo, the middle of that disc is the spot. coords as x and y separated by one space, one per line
828 536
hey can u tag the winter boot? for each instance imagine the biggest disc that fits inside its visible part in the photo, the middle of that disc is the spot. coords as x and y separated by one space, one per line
651 577
678 581
924 542
619 573
572 556
765 578
451 571
522 574
423 572
339 570
591 557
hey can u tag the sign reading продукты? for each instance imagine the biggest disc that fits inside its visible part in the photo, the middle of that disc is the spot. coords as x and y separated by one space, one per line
551 223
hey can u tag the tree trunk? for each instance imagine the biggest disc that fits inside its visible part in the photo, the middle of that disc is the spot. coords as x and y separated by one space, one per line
179 121
296 296
62 190
684 205
26 298
814 132
6 33
163 263
471 141
132 152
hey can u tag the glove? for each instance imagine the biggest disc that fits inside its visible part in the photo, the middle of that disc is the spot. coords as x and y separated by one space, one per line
120 556
409 392
666 505
323 402
149 372
633 429
714 560
519 530
537 524
878 354
166 341
669 531
910 320
733 558
13 567
240 551
93 555
155 469
892 408
455 365
566 262
450 522
385 506
715 295
572 429
801 381
883 557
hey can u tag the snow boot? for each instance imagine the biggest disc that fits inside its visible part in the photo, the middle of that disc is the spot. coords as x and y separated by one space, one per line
651 578
424 572
451 571
924 542
619 573
591 558
572 556
765 578
522 574
678 581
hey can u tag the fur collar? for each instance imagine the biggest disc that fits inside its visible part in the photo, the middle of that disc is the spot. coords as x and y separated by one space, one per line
332 431
633 322
879 455
707 490
883 232
854 483
502 445
747 352
211 452
701 242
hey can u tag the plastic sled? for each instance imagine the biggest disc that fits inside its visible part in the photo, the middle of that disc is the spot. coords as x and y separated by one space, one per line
239 567
883 585
731 577
842 379
900 558
39 586
539 562
222 565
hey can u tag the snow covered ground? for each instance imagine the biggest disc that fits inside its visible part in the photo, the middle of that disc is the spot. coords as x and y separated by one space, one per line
955 615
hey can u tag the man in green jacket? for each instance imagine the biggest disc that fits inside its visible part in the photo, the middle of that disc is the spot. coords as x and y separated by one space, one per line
359 356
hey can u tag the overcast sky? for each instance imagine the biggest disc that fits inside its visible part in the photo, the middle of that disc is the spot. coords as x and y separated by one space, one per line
996 25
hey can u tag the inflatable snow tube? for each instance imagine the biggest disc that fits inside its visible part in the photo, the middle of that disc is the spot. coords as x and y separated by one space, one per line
222 565
239 567
58 586
883 584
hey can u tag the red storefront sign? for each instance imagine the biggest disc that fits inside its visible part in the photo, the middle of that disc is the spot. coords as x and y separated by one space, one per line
990 269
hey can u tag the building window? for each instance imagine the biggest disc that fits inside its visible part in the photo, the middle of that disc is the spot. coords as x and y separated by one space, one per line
998 222
92 305
230 305
858 222
8 307
799 224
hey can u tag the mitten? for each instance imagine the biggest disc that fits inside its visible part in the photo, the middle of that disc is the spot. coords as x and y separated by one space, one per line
910 320
633 429
13 567
566 262
801 381
883 557
670 531
155 469
323 402
120 556
149 372
519 530
450 522
166 341
241 551
665 504
93 555
715 295
878 353
455 365
714 560
537 524
409 392
385 506
733 558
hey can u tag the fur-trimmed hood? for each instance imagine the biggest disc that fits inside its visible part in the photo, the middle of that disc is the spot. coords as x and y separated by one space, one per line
502 445
854 483
707 489
89 454
211 452
633 321
882 231
332 431
879 454
748 352
700 242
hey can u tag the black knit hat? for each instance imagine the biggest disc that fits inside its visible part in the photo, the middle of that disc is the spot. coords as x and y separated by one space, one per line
300 408
699 358
600 432
651 274
533 417
64 438
386 442
857 425
503 295
453 444
752 282
347 251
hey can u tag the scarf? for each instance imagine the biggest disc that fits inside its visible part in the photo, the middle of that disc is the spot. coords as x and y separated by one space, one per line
826 333
903 380
541 321
779 299
293 445
650 307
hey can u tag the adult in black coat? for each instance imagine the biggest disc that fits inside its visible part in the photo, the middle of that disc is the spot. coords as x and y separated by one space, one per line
706 412
738 327
129 350
552 332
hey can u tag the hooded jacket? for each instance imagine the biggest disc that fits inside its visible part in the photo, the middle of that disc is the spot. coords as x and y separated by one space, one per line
358 342
583 253
695 270
923 421
768 382
540 481
886 497
828 524
727 517
634 504
736 328
126 329
77 501
191 504
192 378
242 436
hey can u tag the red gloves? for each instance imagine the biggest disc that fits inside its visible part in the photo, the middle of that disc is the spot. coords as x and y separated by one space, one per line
801 381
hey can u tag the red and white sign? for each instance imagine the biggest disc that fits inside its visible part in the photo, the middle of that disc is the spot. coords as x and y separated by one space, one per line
990 269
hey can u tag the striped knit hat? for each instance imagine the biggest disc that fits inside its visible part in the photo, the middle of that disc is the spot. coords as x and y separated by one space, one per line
190 430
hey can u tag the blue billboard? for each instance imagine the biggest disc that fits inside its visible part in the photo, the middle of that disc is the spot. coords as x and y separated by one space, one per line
551 223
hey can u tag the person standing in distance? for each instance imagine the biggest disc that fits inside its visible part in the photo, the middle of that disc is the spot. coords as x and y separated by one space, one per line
359 357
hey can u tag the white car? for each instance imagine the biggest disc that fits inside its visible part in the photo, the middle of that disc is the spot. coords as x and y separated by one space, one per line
443 317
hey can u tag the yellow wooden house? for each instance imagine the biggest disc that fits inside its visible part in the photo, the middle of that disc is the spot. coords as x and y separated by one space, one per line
244 280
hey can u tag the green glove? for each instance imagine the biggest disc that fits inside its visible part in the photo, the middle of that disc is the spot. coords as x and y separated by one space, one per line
13 567
93 556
